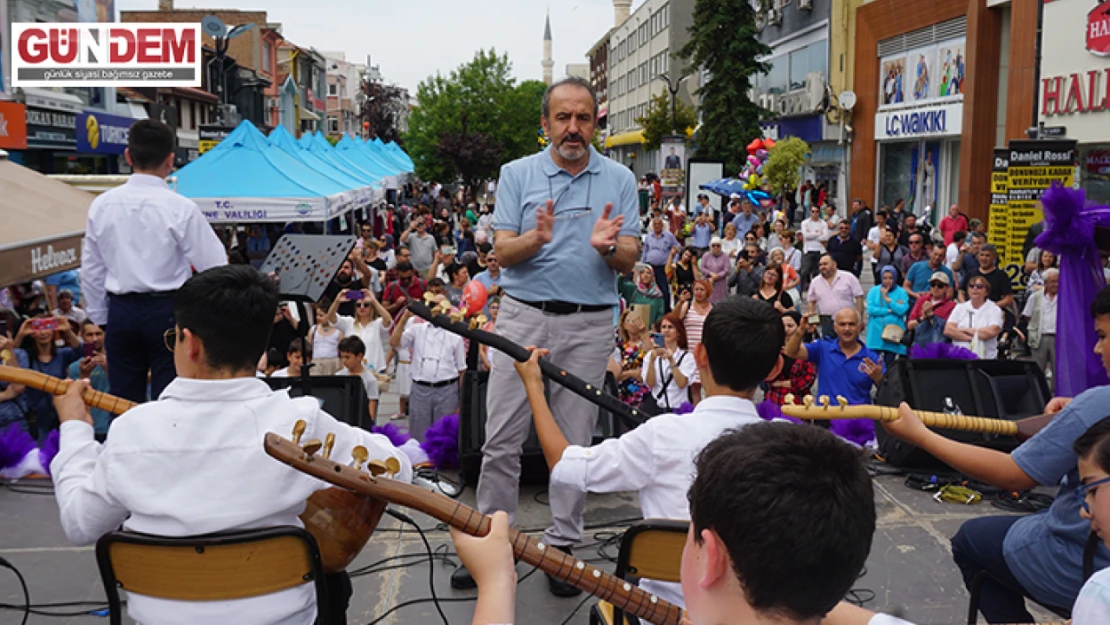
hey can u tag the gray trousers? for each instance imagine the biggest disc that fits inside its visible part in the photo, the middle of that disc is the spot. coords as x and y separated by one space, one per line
1044 354
427 403
581 342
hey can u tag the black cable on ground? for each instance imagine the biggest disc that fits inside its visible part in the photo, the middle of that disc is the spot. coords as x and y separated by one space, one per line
577 608
23 584
400 516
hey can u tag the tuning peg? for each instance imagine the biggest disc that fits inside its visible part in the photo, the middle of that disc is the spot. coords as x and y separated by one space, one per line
376 468
789 399
458 316
329 442
824 401
311 447
444 307
298 431
359 455
429 297
843 401
392 465
808 401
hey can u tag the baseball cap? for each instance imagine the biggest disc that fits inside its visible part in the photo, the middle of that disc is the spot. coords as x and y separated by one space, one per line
940 276
734 196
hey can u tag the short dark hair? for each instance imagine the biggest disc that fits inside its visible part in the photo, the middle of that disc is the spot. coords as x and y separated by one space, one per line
545 107
437 281
743 338
352 345
979 235
485 248
404 265
1095 444
958 236
764 489
453 269
1101 305
149 142
298 346
231 310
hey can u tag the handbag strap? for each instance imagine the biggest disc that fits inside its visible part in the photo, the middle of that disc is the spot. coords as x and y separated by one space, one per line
667 382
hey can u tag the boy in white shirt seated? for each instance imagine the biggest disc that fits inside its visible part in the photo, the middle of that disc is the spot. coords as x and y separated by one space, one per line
193 463
295 356
351 352
781 522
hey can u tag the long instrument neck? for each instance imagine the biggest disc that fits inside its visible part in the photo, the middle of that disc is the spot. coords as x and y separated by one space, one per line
955 421
56 386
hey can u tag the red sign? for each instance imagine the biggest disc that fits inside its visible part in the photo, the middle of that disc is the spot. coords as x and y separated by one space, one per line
13 126
1098 30
1098 162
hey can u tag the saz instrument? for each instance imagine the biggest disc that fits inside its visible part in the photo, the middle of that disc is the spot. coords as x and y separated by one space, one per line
341 521
624 595
1022 429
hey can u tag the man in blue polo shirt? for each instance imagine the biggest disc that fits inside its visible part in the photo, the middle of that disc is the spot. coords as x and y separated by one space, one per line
566 223
921 273
658 246
845 366
745 219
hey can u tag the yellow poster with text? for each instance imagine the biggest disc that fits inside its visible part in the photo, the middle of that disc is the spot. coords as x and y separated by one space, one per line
1033 167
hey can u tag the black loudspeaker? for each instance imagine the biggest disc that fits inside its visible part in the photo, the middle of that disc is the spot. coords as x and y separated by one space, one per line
472 431
998 389
341 396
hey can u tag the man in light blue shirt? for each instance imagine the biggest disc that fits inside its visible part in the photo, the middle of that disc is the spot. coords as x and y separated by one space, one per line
745 220
658 246
566 223
490 278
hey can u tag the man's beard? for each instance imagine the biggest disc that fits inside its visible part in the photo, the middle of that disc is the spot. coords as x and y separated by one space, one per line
572 153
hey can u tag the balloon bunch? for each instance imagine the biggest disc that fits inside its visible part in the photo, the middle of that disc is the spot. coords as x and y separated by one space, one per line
752 176
470 307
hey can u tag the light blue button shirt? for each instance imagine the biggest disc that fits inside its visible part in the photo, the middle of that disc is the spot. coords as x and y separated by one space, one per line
568 268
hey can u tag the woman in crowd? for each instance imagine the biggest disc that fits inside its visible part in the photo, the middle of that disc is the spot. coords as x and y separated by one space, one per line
684 271
731 244
796 376
669 370
640 288
790 278
489 326
715 269
976 323
887 305
889 253
457 277
12 403
931 311
44 356
628 359
693 313
771 289
371 323
759 237
1045 260
323 340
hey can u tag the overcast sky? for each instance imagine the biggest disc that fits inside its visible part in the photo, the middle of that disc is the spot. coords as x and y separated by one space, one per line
412 39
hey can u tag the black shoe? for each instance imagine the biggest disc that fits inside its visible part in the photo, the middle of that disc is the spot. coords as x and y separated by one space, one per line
461 579
558 587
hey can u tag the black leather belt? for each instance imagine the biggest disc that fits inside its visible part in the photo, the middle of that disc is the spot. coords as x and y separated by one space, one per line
436 384
143 296
556 307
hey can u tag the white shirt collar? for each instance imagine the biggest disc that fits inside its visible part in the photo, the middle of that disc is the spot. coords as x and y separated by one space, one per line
234 389
147 180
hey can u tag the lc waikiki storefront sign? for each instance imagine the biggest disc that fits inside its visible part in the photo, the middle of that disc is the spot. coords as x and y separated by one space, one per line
936 120
1075 67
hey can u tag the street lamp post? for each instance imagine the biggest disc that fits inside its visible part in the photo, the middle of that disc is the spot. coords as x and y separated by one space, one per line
673 88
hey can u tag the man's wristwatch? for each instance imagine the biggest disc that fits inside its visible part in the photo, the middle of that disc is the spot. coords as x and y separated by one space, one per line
611 252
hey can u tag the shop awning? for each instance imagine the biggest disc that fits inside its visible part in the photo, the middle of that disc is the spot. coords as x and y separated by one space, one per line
44 224
307 115
625 138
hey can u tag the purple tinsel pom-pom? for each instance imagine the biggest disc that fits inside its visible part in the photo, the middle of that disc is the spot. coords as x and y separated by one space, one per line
15 444
942 350
395 435
441 442
769 411
858 431
1067 228
685 408
49 449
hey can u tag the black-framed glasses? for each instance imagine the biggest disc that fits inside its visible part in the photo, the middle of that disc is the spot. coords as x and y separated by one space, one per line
976 285
169 337
1083 490
938 285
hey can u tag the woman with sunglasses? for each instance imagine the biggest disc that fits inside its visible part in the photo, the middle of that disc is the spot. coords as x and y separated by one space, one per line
976 323
371 323
1093 450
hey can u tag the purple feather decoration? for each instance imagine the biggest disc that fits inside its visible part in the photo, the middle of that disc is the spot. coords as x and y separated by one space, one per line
685 408
395 435
15 444
946 351
1067 227
49 449
441 442
769 411
858 431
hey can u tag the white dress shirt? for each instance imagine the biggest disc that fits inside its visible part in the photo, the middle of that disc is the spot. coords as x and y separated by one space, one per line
437 355
656 459
140 238
193 463
814 235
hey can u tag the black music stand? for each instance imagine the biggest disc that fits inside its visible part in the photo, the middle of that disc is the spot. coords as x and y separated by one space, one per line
305 265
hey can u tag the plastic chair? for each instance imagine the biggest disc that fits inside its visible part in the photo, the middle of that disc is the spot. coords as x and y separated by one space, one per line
233 565
650 549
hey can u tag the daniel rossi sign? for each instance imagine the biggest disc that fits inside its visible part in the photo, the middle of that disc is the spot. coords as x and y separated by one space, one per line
106 55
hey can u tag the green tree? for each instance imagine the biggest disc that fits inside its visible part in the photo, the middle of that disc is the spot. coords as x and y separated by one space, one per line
723 43
657 122
784 164
469 123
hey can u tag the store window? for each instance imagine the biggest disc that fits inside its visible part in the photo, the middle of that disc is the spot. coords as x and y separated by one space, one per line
775 81
812 58
1094 171
923 173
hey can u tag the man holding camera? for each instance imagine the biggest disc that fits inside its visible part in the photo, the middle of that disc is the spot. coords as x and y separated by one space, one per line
93 367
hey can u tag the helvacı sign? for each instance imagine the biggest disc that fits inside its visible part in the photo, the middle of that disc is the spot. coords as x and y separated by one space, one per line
1098 29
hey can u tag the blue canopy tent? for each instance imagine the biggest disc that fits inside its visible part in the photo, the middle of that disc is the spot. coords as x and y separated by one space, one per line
245 179
354 150
306 139
378 149
362 183
320 147
402 156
